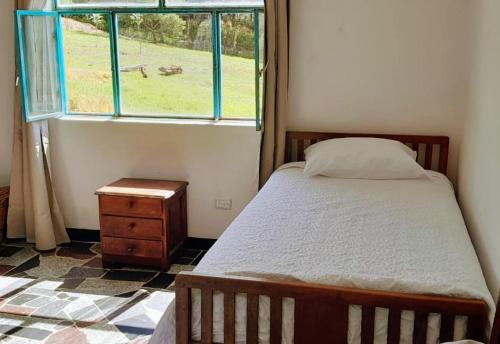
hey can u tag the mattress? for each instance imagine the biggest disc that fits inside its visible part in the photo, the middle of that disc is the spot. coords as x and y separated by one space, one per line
395 235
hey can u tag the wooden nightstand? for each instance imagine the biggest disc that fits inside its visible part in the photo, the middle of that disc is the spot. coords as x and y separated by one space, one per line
142 221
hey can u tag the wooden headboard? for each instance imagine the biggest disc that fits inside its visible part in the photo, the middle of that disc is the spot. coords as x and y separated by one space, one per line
432 151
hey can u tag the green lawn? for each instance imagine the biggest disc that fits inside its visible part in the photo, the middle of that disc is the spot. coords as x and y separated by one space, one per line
89 79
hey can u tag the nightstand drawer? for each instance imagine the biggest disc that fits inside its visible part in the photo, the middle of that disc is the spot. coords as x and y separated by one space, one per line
130 227
131 206
131 247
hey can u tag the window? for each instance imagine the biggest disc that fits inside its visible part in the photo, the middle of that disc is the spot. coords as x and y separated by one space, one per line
89 79
176 56
143 58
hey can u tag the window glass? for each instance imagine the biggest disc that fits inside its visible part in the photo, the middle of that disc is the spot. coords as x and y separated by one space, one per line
41 82
238 66
107 3
166 64
89 79
215 3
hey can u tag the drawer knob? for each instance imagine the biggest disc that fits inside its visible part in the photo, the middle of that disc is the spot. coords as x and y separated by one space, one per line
130 249
130 204
131 226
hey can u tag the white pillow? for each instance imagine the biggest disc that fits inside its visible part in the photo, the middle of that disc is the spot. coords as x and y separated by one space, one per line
362 158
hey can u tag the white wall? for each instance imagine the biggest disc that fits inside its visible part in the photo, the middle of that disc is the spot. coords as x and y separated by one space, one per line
217 161
7 79
479 169
386 66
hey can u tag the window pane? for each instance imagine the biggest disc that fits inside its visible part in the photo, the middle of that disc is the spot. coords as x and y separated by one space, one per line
215 3
42 87
89 79
166 64
261 61
238 66
107 3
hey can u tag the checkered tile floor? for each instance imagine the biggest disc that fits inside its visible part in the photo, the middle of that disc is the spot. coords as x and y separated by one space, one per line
66 296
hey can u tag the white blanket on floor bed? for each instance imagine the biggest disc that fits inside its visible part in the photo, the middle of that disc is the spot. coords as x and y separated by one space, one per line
395 235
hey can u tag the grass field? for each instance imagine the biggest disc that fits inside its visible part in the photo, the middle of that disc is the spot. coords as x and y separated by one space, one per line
89 79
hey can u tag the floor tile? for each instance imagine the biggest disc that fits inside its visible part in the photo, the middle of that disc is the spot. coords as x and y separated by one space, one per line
81 272
71 335
39 302
107 287
139 325
51 309
15 309
29 333
89 313
20 257
5 268
190 253
27 265
130 308
78 245
129 275
71 283
22 299
161 281
8 251
176 268
111 303
48 253
199 258
126 295
94 263
96 248
104 333
77 253
184 261
10 286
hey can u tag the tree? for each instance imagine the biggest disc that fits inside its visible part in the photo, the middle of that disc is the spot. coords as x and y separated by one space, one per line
163 28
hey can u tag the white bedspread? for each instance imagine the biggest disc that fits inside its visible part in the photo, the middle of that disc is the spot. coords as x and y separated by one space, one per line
397 235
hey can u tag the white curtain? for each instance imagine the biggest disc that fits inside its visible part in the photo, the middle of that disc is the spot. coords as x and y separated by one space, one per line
34 213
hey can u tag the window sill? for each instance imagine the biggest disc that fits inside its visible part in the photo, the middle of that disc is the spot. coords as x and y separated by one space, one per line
151 120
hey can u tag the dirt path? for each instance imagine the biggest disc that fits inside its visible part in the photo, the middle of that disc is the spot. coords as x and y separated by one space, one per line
74 25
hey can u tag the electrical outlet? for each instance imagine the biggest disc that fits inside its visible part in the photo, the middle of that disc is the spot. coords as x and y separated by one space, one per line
225 204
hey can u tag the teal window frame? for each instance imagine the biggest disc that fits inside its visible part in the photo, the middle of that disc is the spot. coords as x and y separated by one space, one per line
112 13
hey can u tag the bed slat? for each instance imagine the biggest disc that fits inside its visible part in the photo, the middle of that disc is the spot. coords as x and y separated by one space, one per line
367 325
229 315
447 328
183 314
475 326
394 326
420 328
428 157
288 148
300 150
206 316
252 319
310 325
276 319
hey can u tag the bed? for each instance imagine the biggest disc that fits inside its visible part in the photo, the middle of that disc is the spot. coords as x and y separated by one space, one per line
317 260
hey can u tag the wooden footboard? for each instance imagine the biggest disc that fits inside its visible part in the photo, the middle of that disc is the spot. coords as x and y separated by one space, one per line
321 312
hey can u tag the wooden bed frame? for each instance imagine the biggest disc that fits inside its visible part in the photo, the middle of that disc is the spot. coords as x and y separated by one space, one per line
321 311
